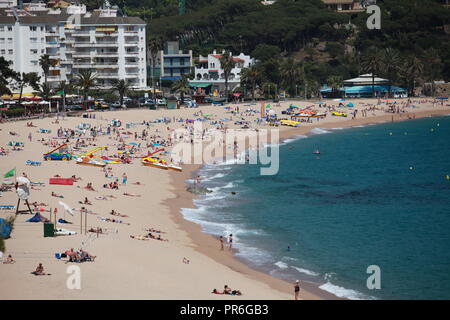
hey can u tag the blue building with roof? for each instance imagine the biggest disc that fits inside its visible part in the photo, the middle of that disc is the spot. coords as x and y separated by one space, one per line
361 87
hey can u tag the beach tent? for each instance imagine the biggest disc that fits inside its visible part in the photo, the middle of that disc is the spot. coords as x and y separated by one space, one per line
350 104
37 218
5 229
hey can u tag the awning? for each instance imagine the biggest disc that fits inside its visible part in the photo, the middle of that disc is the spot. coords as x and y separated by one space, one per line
200 84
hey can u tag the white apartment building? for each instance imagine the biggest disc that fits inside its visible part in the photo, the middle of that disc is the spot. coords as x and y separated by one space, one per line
108 43
8 3
209 72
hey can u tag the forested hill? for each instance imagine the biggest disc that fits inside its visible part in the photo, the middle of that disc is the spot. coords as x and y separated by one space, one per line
326 43
303 29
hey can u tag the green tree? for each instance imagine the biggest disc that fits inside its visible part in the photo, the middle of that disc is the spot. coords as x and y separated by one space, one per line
227 64
85 81
26 79
390 64
45 63
181 86
335 83
264 52
251 75
372 62
154 47
413 72
291 72
6 75
45 91
433 66
122 87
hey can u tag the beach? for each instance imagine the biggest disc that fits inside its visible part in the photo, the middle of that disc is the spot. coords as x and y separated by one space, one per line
127 268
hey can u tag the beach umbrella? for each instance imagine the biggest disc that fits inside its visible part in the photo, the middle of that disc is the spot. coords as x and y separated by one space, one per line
66 207
44 102
23 180
351 105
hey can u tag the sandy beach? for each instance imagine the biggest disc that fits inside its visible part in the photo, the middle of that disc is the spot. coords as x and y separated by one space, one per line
127 268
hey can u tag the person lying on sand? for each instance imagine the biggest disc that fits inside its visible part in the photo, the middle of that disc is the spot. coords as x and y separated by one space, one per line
75 179
151 236
100 198
96 230
186 261
9 260
227 290
57 176
138 183
39 271
57 196
115 213
114 220
13 133
154 230
38 204
89 187
131 195
139 237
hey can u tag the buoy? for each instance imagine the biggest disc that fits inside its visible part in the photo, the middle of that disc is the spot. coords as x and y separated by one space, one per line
410 168
447 177
390 133
431 129
438 125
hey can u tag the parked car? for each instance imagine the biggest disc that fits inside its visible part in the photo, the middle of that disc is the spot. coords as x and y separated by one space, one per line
74 107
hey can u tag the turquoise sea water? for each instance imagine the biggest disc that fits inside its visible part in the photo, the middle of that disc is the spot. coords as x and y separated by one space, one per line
376 195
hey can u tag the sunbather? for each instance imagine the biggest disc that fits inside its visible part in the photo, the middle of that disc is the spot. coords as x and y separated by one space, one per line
39 270
139 237
131 195
89 187
9 260
56 195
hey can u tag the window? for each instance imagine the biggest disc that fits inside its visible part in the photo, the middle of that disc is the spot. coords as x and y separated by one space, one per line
33 40
2 40
33 51
33 28
9 28
2 51
2 28
181 61
10 51
10 40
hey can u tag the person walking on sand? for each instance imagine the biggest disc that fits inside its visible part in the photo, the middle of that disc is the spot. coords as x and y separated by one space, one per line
230 241
296 289
124 178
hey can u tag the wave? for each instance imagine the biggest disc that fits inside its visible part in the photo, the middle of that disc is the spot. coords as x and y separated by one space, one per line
319 131
281 265
217 175
306 271
342 292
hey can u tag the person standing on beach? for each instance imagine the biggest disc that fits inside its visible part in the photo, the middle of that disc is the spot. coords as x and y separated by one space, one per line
230 241
124 178
221 243
296 289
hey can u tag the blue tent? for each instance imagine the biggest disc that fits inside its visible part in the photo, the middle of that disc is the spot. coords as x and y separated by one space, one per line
5 229
37 218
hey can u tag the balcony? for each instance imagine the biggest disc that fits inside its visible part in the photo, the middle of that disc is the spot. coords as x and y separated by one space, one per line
52 44
131 63
106 34
106 54
109 75
81 54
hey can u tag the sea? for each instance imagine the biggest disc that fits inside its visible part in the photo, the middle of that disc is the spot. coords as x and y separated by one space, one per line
367 218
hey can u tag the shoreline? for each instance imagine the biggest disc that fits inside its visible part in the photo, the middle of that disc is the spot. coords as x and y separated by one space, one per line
208 245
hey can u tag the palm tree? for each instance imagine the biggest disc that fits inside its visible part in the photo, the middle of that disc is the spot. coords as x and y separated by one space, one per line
122 87
251 75
45 63
414 70
45 91
154 46
433 64
227 64
390 65
372 62
63 89
23 79
85 80
335 83
181 86
291 72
